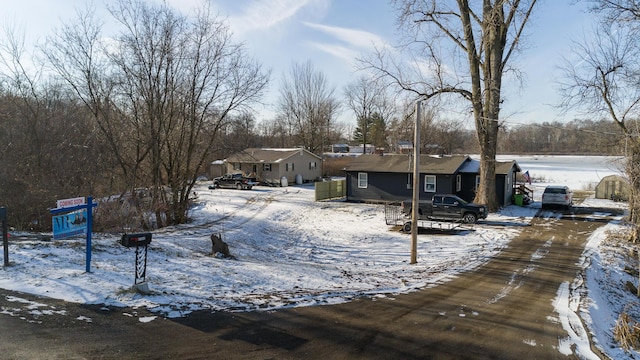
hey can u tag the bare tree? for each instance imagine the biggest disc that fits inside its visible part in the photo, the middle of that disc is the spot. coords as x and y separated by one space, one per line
604 82
617 10
277 132
481 37
48 147
308 105
238 134
158 91
373 108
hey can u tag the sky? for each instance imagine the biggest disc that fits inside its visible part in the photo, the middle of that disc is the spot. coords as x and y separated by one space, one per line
331 34
291 251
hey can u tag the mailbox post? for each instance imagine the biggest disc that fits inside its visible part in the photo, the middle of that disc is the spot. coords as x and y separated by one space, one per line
138 241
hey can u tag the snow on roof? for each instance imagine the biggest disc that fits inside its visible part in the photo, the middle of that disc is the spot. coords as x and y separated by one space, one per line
267 155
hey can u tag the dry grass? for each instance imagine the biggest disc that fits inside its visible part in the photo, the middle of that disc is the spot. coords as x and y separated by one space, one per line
619 235
581 195
627 332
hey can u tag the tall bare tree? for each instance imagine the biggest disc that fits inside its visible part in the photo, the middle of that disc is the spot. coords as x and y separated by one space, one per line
48 147
158 91
373 108
604 83
308 104
461 48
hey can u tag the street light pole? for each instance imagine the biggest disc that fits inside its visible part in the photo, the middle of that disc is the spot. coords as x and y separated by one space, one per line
416 187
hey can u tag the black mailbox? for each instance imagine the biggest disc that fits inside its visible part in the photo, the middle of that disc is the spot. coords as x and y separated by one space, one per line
131 240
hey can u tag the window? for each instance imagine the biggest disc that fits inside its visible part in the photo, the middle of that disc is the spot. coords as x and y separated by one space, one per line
458 183
429 183
312 165
363 181
288 167
237 166
266 167
477 182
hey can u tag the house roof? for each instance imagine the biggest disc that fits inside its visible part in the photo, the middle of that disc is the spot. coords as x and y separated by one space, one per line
447 164
504 167
471 167
267 155
396 163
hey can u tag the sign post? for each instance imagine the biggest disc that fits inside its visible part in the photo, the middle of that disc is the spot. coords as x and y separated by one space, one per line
74 217
5 235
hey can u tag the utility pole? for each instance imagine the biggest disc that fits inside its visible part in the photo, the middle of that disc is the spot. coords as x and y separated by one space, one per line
416 187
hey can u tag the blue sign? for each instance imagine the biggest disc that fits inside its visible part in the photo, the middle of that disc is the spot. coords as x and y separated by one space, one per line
69 224
78 217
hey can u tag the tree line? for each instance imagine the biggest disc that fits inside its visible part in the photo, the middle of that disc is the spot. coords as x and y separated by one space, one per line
135 114
140 116
51 147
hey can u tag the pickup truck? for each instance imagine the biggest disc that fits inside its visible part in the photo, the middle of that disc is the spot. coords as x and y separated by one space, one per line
447 207
233 181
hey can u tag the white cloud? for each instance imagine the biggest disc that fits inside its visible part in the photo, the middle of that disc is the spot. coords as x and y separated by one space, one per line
336 50
261 15
358 38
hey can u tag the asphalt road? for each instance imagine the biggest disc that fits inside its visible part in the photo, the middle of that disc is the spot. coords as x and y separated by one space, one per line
503 310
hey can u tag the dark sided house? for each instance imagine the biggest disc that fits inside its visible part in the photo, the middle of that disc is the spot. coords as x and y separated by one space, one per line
382 178
506 174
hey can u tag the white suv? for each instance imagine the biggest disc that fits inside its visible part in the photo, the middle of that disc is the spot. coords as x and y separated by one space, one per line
558 195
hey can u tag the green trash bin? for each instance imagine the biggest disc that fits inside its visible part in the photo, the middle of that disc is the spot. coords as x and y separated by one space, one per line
518 198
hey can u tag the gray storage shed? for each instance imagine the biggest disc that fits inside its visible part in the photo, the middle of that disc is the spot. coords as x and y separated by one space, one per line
612 186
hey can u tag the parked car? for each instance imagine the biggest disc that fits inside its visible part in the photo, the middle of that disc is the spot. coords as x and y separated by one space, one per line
233 181
557 195
447 207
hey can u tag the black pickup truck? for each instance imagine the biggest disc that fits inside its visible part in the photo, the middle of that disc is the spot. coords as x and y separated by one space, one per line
447 207
233 181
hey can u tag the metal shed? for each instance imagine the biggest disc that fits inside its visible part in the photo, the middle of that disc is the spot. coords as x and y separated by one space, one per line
612 187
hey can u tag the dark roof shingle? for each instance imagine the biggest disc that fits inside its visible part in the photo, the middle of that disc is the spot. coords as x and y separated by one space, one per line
395 163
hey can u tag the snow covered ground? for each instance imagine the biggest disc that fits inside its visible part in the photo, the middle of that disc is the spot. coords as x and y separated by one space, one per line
291 251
